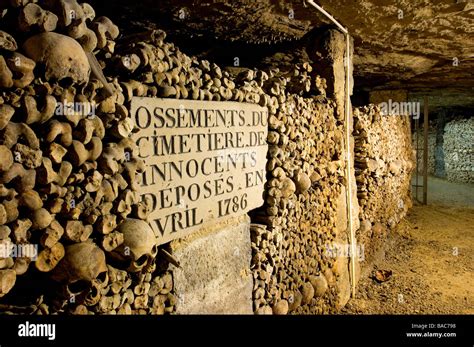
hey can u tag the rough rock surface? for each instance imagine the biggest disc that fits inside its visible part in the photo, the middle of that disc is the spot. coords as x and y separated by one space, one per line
408 43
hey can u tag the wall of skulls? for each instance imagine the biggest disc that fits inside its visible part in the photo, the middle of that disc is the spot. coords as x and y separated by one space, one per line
384 162
449 150
296 124
291 266
69 171
458 147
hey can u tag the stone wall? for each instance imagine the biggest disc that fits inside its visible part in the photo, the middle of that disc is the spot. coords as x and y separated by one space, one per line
214 274
459 150
383 153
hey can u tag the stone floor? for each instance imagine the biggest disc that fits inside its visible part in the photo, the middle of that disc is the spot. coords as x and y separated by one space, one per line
442 192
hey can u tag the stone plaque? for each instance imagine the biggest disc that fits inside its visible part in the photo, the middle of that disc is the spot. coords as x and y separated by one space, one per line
204 161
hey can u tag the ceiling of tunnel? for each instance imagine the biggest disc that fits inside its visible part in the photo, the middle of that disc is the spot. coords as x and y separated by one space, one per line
409 44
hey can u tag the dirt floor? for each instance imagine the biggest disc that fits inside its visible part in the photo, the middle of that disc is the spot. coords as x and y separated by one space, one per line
431 256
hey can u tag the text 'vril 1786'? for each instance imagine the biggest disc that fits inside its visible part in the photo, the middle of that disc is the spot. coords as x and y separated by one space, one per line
204 161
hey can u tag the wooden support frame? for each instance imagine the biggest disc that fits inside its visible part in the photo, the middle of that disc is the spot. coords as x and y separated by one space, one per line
425 150
424 159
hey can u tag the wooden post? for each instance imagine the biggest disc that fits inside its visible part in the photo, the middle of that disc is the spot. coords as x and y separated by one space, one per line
425 152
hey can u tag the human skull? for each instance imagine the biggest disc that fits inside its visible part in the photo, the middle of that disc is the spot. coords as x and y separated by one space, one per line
62 56
7 42
83 264
95 292
139 247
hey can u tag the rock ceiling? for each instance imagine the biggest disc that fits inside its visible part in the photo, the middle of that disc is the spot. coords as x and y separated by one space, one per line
425 46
